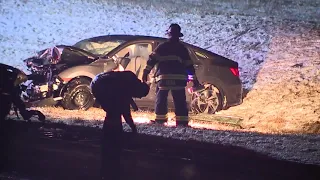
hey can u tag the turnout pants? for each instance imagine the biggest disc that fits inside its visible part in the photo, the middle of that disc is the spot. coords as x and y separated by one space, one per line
180 104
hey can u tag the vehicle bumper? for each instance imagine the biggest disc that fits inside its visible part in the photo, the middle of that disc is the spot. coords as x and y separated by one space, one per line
234 96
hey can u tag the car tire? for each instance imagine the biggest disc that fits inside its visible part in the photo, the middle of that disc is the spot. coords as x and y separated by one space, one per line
208 102
77 95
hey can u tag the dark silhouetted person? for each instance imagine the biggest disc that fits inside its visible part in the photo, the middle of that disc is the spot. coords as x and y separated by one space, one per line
114 92
8 95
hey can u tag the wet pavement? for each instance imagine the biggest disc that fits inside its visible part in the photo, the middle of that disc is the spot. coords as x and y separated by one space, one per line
58 151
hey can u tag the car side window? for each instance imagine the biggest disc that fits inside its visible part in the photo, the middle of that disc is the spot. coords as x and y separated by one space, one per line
138 54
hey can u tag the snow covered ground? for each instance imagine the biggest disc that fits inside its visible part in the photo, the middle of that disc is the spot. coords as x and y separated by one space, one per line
279 60
305 10
26 29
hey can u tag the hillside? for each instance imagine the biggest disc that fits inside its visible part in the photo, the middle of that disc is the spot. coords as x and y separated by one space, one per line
279 59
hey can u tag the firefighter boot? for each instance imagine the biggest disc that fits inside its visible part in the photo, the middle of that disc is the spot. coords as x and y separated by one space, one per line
181 109
161 106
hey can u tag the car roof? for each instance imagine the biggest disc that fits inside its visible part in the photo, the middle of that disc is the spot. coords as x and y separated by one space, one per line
127 37
124 37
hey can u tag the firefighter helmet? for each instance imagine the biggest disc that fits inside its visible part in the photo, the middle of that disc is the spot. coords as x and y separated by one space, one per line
174 30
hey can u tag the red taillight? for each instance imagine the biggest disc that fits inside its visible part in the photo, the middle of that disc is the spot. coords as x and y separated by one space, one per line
235 71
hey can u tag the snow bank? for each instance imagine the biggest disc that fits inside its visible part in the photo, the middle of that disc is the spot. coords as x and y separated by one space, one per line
286 95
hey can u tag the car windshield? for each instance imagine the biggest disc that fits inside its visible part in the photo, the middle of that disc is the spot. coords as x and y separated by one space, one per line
99 48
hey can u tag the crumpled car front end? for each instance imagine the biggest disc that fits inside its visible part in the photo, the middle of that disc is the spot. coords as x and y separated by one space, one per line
41 81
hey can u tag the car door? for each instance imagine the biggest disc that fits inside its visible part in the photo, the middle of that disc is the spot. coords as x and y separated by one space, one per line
136 55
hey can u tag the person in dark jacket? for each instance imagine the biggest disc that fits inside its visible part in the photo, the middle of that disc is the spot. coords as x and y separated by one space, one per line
114 91
173 67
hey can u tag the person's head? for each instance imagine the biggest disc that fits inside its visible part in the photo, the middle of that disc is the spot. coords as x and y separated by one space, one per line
174 31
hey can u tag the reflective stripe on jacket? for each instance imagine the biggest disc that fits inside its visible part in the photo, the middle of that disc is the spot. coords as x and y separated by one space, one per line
173 62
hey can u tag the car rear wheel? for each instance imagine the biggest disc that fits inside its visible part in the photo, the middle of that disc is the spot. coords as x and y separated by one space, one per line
77 95
208 101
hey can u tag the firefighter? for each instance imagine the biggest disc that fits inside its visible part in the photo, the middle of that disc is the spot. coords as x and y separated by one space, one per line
114 91
173 67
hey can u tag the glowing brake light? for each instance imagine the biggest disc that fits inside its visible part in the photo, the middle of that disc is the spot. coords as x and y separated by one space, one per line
235 71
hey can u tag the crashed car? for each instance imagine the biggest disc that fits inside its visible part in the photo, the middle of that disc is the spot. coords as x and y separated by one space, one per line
62 74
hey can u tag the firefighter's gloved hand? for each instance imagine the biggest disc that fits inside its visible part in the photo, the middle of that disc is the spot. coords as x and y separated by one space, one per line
144 77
